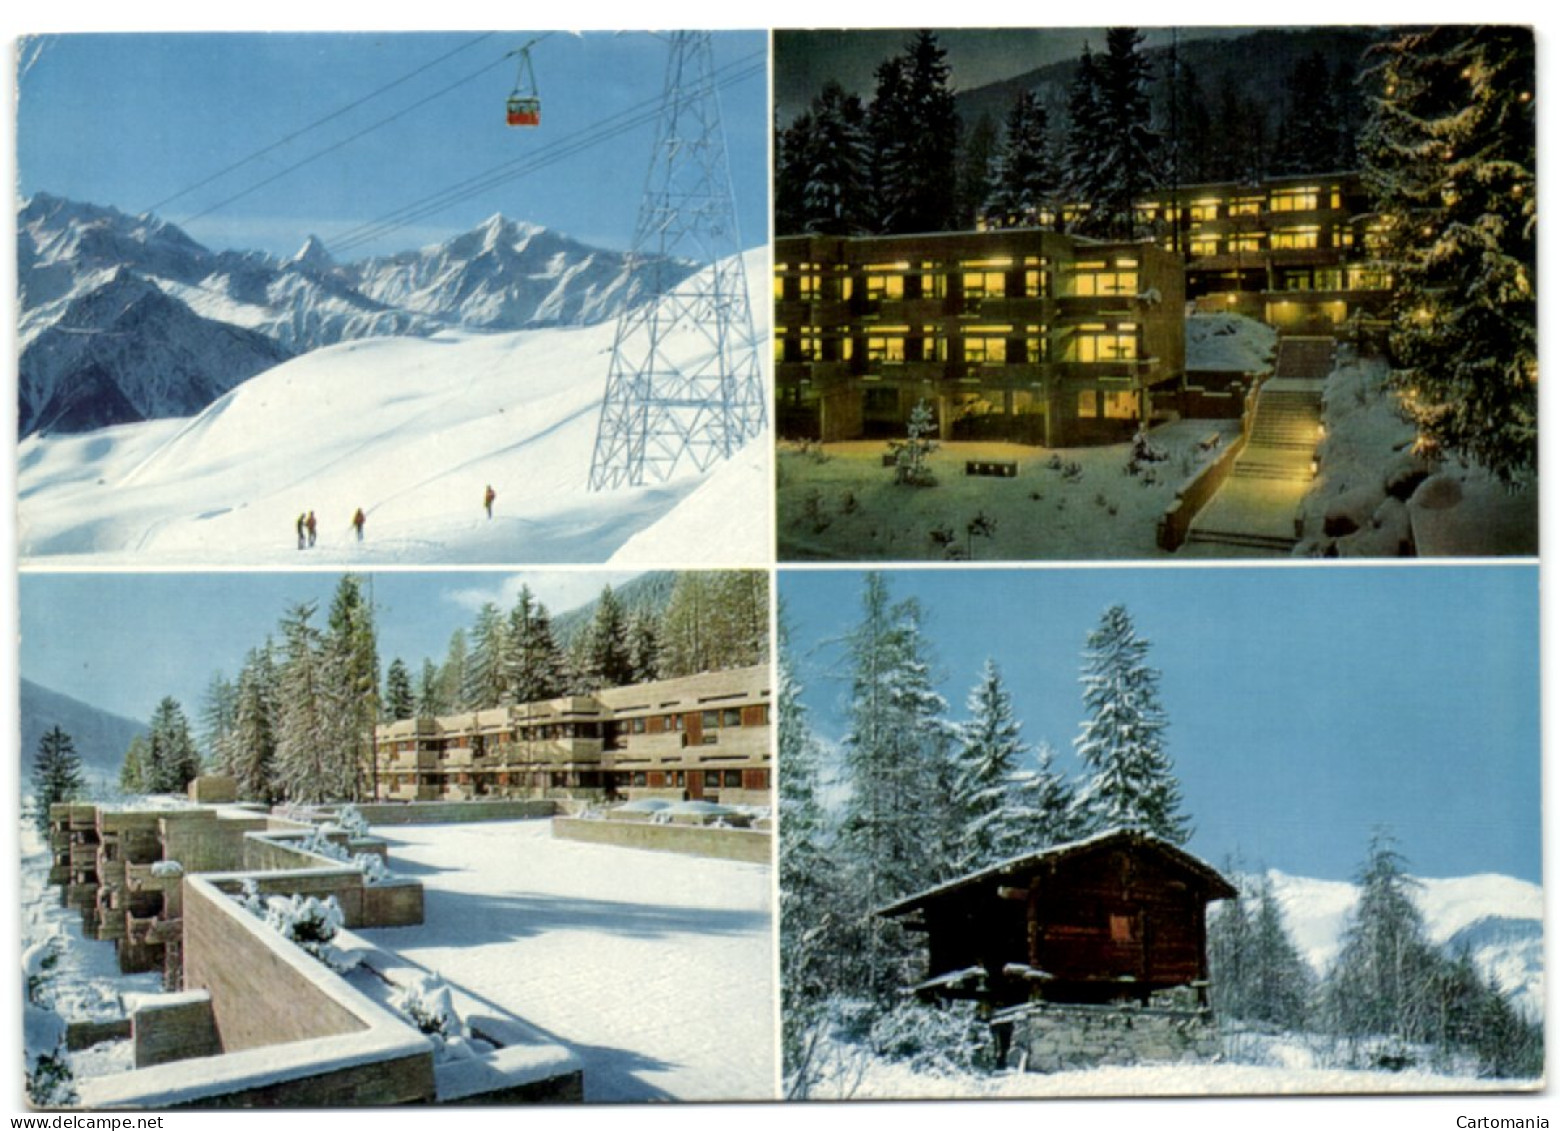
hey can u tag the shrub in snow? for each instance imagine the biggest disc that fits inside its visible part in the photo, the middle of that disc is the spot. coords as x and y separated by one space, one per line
320 844
373 868
39 962
427 1002
307 921
167 869
938 1039
910 453
249 898
49 1080
350 819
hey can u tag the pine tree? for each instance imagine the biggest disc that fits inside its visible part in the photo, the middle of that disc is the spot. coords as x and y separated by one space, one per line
255 726
350 688
1044 811
1308 134
1127 144
644 647
1231 943
172 761
1280 979
452 675
791 176
56 774
132 770
809 888
685 645
1449 158
741 614
914 131
400 703
1121 743
977 165
486 684
1025 180
605 649
1083 175
829 148
535 668
985 760
303 768
896 756
217 714
1379 985
430 698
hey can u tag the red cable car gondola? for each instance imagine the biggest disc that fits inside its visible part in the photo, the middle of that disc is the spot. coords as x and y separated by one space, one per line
525 104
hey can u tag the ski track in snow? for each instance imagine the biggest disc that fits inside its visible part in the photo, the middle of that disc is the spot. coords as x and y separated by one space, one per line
410 429
655 968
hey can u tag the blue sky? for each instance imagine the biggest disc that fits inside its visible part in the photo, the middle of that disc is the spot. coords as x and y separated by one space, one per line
1306 705
130 120
122 641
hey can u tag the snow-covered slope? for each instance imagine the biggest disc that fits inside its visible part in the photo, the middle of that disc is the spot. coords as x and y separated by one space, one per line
411 430
75 260
1499 918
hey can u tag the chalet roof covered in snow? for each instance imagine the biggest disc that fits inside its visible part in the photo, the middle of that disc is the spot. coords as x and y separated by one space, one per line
1218 887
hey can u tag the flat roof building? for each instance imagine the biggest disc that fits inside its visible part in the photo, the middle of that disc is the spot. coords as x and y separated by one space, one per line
702 737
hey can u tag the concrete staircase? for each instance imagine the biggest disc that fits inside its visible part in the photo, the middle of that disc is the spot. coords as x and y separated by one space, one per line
1256 507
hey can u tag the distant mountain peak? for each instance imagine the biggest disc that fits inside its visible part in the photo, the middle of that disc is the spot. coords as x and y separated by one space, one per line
313 254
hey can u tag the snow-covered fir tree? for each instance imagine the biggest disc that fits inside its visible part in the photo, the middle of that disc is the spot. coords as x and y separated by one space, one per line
535 667
604 647
351 690
1044 810
1449 158
452 675
829 145
430 699
218 709
56 774
1130 778
172 760
986 757
810 897
1309 133
399 702
486 682
1025 179
896 761
302 763
1083 175
132 769
644 647
977 172
254 763
914 131
1281 981
1127 145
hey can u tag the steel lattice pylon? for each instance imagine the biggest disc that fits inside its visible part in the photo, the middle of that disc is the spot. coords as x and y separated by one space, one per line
684 377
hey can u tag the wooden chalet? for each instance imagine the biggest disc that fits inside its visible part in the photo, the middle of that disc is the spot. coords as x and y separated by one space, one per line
1117 916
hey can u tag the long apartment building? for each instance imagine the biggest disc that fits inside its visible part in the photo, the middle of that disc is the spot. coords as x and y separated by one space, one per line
1019 334
1299 253
701 737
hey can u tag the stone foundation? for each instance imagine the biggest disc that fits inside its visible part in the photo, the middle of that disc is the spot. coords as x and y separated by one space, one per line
1045 1037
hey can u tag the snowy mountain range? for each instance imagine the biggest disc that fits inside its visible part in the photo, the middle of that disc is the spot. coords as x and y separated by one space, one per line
1498 918
100 737
411 429
126 318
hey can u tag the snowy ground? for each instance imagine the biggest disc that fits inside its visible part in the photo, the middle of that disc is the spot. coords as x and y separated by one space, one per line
656 969
412 431
1370 480
1105 513
1291 1070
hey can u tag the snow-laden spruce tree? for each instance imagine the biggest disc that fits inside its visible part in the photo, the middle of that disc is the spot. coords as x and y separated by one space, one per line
254 727
1448 156
486 682
893 836
172 761
986 757
301 758
829 146
1130 780
1043 808
1025 177
56 774
350 666
810 898
913 130
399 701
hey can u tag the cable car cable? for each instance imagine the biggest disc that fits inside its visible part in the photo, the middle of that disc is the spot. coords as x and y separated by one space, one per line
604 130
328 150
334 114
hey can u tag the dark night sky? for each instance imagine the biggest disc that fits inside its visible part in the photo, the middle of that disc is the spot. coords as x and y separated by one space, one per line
805 60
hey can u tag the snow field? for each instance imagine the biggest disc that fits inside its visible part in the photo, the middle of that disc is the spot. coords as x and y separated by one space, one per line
412 430
655 968
1105 513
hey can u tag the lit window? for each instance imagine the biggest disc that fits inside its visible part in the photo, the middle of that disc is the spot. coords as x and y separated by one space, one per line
985 284
1294 200
1201 210
1119 344
986 343
885 287
1244 243
1100 283
1294 238
888 344
808 288
1205 245
1246 206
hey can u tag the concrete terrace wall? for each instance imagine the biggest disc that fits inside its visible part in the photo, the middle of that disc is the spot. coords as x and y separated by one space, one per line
258 998
453 812
692 840
292 1031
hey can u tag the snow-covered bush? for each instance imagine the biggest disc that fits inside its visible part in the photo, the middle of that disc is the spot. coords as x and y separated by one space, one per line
46 1065
910 453
427 1002
167 869
320 844
311 923
39 962
373 868
939 1039
249 898
350 819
